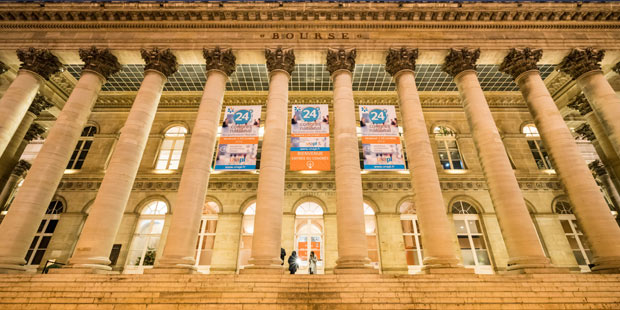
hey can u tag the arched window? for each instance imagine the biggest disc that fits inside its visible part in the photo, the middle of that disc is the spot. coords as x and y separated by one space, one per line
371 235
146 238
577 241
471 237
171 149
247 231
411 236
206 236
449 154
309 235
537 147
46 229
82 148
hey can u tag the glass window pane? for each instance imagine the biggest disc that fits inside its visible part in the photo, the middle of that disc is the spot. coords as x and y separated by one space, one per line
372 242
464 242
478 242
407 226
483 257
158 226
33 244
45 241
473 227
573 242
412 258
149 258
459 225
468 258
211 225
566 227
579 257
38 256
409 242
51 226
40 229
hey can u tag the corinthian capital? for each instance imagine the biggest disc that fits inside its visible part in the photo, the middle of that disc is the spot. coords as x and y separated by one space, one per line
597 168
459 60
520 60
39 104
581 104
399 59
3 67
584 131
580 61
35 131
21 168
220 59
101 61
341 59
616 68
40 61
159 60
280 59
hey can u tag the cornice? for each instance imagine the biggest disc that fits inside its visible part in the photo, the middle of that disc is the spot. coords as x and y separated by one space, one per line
436 100
308 15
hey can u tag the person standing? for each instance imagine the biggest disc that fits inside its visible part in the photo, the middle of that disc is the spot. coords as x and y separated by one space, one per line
312 262
292 262
282 255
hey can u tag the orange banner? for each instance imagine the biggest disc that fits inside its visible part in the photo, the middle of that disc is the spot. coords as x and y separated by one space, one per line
310 160
380 140
238 140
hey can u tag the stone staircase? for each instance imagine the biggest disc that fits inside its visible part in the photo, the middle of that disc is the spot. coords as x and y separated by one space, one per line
311 292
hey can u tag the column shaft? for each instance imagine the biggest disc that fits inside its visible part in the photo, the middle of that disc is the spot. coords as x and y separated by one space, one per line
589 206
97 238
11 155
180 246
8 189
609 154
15 102
266 242
437 238
524 248
605 103
21 223
352 245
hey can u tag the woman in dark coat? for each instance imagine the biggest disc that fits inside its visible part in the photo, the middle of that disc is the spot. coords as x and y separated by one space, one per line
292 262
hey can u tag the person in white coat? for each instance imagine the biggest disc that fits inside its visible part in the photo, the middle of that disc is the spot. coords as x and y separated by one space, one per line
312 262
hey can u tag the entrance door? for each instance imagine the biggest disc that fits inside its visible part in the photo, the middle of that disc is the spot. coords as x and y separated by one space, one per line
309 236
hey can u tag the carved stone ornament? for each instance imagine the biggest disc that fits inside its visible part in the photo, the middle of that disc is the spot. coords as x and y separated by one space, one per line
584 131
341 59
3 67
280 59
459 60
399 59
163 61
40 61
580 61
39 104
220 59
21 168
35 131
581 104
597 168
520 60
616 68
101 61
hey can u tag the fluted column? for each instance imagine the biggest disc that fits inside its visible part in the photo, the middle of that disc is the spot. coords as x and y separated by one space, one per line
352 244
524 249
599 137
97 238
266 240
587 200
180 248
439 247
600 172
28 208
18 172
37 66
11 154
583 66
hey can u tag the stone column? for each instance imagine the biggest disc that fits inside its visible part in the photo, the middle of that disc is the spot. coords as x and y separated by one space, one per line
524 249
180 248
14 149
352 246
93 248
439 246
18 173
28 208
266 242
590 208
599 171
583 66
37 66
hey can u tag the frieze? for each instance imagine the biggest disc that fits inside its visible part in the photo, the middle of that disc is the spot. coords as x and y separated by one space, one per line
185 15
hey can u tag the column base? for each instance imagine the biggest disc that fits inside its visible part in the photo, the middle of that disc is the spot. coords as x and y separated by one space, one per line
606 265
533 265
354 265
12 269
447 270
80 270
538 270
365 270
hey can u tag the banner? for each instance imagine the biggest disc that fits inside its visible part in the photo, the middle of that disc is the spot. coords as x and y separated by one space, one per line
238 145
381 145
310 138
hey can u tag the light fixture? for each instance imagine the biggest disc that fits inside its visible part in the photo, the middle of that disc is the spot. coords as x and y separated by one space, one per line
309 171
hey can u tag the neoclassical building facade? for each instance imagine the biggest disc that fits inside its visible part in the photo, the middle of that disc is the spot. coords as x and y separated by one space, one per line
114 117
